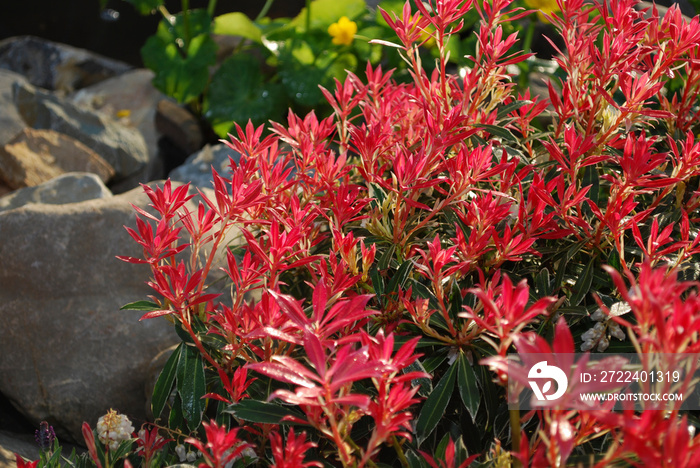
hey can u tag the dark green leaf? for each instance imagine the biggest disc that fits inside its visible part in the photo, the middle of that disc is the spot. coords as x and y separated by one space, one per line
400 277
433 361
583 284
590 177
507 109
415 460
191 385
542 283
467 384
385 259
141 305
434 407
164 384
238 92
425 385
502 132
563 261
261 412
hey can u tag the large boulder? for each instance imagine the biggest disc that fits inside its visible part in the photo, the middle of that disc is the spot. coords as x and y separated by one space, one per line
37 156
56 66
121 146
67 353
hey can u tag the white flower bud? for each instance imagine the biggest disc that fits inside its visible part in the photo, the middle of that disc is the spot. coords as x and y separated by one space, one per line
598 315
603 344
587 345
616 331
181 453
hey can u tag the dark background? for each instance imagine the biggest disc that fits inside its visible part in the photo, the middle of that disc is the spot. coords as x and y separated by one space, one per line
80 24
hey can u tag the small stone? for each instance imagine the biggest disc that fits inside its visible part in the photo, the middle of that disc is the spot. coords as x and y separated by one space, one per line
73 187
197 168
37 156
122 147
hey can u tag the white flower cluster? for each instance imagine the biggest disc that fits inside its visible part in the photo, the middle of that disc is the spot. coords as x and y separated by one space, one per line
598 335
113 429
186 455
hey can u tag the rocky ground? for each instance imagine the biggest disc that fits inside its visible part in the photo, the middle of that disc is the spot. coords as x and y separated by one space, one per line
78 134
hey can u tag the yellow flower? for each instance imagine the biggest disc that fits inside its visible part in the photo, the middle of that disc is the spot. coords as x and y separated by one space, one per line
544 7
343 32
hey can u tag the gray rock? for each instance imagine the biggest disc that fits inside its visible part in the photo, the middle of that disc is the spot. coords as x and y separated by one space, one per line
56 66
68 354
37 156
121 146
132 99
15 443
68 188
197 168
11 122
179 125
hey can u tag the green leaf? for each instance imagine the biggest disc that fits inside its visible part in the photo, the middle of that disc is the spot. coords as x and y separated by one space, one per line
164 384
467 384
237 24
415 460
542 283
141 305
196 22
434 407
561 268
583 284
425 385
191 385
181 75
123 450
261 412
400 277
502 132
507 109
326 12
238 92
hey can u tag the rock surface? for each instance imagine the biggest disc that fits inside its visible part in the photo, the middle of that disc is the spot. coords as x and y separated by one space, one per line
11 122
37 156
56 66
121 146
132 99
14 443
179 126
74 187
197 168
68 354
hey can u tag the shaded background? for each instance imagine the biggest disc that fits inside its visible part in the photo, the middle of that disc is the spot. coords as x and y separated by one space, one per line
81 23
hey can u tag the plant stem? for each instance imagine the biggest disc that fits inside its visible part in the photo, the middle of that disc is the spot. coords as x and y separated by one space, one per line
211 8
515 434
186 24
308 15
264 10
